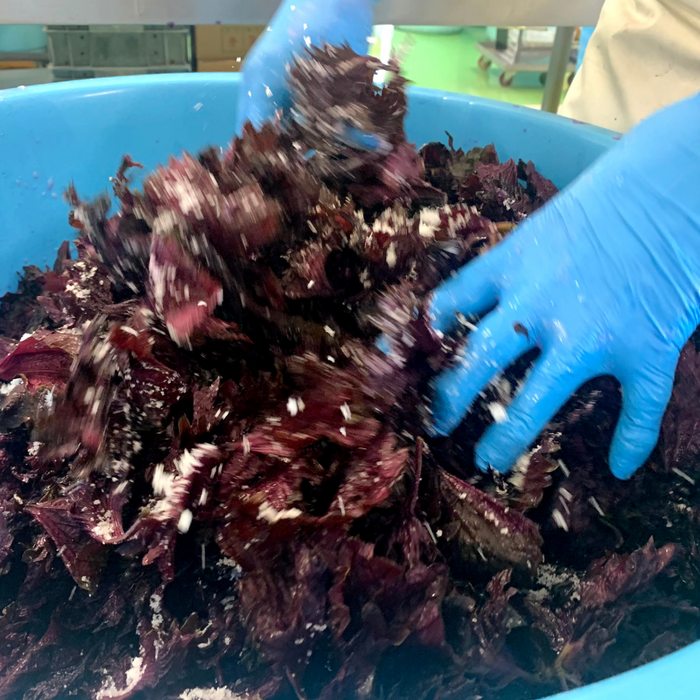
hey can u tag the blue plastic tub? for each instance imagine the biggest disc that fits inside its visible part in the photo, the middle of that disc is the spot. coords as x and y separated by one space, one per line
50 135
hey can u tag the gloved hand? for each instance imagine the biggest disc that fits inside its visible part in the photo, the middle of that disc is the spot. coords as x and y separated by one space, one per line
605 280
297 25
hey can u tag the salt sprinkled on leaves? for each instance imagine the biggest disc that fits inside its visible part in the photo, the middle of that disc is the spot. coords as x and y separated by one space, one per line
272 515
133 676
211 694
7 388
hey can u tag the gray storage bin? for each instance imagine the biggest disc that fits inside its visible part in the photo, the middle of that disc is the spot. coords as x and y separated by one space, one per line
119 46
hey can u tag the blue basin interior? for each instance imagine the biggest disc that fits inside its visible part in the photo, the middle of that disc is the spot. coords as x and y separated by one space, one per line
52 135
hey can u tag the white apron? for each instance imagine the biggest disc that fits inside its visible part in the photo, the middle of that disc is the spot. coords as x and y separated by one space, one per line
643 55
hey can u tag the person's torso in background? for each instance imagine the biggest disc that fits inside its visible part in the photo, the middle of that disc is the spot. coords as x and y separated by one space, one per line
643 55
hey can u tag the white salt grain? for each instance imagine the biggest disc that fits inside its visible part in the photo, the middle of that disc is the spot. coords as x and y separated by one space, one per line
498 412
183 524
560 520
430 532
683 475
596 505
564 468
391 256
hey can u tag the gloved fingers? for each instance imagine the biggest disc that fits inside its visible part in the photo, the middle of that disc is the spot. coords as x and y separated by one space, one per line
362 140
355 138
297 26
383 344
644 400
552 381
471 292
494 346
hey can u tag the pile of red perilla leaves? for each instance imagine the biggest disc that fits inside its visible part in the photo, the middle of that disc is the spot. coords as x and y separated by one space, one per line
214 485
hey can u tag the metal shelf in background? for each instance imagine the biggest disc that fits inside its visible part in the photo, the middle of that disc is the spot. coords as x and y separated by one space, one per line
499 13
513 55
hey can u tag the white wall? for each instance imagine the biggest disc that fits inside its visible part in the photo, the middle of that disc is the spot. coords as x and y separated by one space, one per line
500 13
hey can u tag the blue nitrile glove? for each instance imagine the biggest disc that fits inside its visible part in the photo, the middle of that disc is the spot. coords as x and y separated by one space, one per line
605 280
298 24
